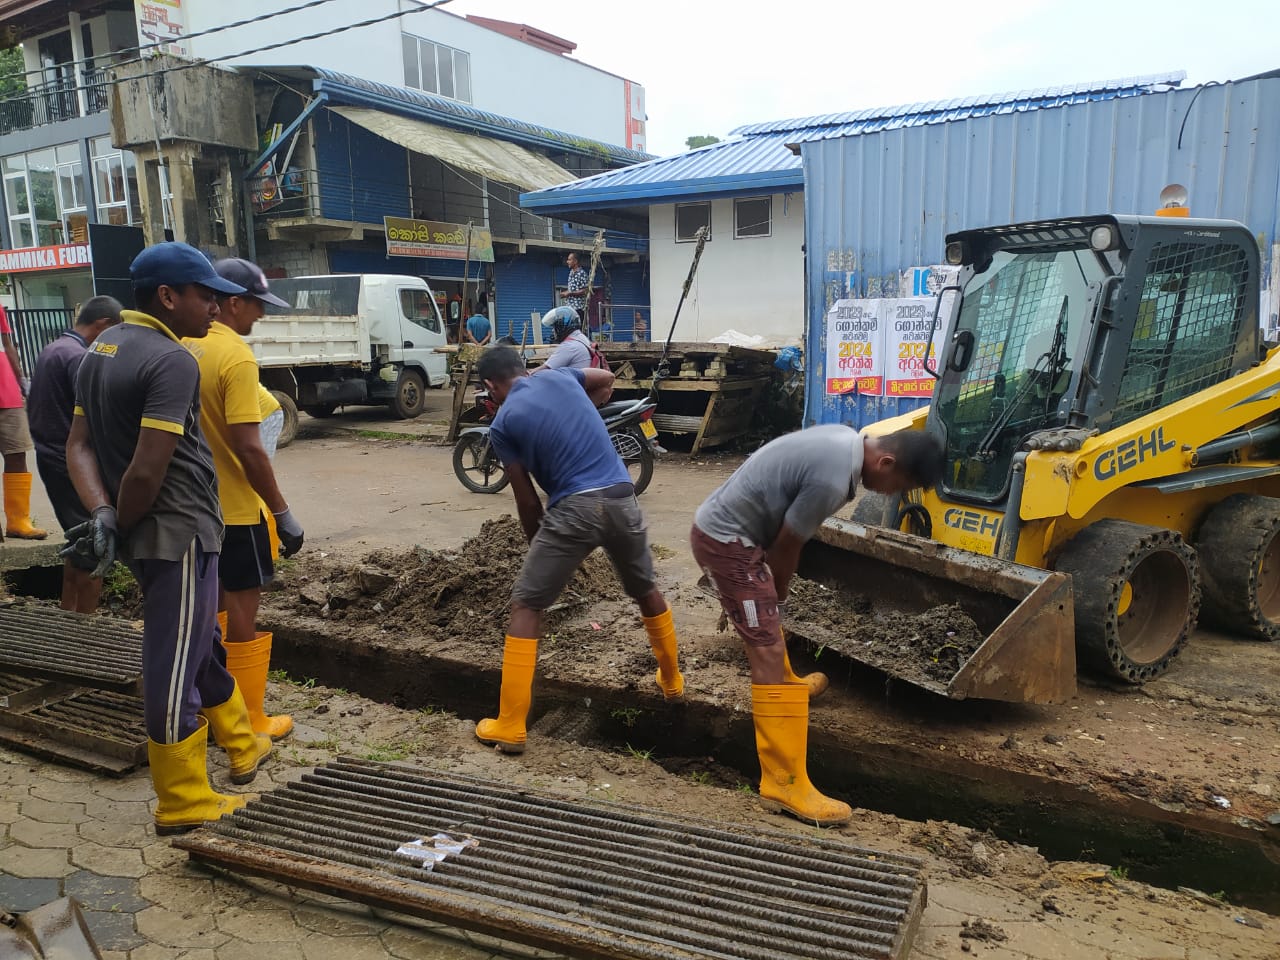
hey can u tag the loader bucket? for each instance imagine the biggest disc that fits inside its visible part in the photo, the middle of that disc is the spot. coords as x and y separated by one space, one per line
1025 638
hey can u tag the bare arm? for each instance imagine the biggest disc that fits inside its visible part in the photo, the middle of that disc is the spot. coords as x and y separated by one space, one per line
528 503
598 384
11 351
246 444
141 482
82 464
783 557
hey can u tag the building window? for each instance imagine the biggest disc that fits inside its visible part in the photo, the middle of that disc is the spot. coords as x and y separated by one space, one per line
435 68
115 179
752 217
689 217
44 193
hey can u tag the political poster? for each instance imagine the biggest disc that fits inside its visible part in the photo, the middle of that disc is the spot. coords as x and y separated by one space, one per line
908 324
855 348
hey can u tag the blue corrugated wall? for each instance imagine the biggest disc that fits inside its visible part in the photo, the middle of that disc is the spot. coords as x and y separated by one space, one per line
362 178
522 285
880 203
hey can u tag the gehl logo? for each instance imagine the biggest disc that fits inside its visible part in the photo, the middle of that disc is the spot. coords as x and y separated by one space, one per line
971 521
1127 455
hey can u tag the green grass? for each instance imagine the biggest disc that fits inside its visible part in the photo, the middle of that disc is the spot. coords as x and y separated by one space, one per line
639 754
118 582
1119 873
701 776
389 752
385 435
628 715
745 788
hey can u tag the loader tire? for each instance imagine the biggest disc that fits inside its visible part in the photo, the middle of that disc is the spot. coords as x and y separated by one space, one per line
876 509
1239 543
1137 596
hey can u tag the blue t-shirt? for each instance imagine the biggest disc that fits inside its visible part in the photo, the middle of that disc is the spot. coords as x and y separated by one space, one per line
478 326
549 426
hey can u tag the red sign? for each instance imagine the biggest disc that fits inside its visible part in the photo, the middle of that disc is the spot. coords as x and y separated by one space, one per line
64 256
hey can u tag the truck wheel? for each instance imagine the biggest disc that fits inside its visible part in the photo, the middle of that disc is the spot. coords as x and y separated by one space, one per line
321 411
290 410
876 509
1137 595
1239 542
410 399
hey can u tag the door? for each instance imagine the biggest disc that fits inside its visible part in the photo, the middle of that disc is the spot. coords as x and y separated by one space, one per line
422 331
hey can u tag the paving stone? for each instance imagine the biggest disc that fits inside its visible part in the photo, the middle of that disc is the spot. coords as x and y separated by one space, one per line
136 787
156 951
239 950
20 861
20 894
9 812
123 811
173 929
159 854
111 894
34 833
108 861
317 946
265 925
113 931
408 945
333 925
56 771
494 945
115 955
115 834
177 891
49 811
57 791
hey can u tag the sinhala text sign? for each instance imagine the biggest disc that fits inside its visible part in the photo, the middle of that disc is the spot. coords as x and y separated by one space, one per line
429 238
907 323
855 348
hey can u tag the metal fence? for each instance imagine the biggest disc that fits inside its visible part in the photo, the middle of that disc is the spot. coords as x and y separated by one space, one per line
33 330
625 322
57 100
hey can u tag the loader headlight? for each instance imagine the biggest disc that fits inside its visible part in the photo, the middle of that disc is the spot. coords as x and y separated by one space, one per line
1102 238
955 253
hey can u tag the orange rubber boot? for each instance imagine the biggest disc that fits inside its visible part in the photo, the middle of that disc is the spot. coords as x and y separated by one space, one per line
662 638
246 750
816 682
507 733
248 663
17 508
781 714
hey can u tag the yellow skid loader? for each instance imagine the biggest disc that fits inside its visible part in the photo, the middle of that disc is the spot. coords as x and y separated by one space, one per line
1110 419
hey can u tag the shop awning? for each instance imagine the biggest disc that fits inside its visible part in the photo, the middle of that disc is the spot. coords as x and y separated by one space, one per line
496 159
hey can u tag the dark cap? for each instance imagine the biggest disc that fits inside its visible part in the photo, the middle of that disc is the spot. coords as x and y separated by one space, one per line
172 264
250 276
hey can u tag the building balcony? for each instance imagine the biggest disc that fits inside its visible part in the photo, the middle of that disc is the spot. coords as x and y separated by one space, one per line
64 99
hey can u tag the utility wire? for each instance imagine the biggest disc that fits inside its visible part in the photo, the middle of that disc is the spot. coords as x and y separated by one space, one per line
165 43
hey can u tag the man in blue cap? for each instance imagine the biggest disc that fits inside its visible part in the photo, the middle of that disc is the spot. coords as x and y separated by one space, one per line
144 472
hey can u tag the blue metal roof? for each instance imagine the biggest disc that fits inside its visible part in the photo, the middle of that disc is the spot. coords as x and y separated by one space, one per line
355 91
759 158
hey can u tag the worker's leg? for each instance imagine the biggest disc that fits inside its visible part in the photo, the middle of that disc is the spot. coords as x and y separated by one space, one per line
80 592
570 530
245 567
15 441
627 543
781 715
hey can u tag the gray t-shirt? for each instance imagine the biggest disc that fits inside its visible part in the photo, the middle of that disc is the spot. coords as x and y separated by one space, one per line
574 352
139 375
799 479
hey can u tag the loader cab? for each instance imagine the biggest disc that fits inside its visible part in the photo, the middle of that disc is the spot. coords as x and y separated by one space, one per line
1083 323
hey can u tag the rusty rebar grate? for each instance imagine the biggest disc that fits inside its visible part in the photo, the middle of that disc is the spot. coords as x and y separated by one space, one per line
98 729
603 880
77 648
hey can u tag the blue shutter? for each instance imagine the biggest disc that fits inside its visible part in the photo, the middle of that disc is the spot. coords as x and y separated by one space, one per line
629 289
522 285
362 177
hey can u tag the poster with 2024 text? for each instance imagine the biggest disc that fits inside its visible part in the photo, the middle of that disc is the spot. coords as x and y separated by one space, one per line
907 324
855 348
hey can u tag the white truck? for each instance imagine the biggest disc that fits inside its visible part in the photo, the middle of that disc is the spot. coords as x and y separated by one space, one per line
350 339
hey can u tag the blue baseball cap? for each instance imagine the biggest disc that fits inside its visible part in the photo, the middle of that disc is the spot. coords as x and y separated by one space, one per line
171 264
250 276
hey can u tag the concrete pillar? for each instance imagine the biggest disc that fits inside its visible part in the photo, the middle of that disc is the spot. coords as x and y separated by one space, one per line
77 54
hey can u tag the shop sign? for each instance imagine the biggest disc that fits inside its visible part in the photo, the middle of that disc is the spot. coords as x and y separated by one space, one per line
63 256
429 238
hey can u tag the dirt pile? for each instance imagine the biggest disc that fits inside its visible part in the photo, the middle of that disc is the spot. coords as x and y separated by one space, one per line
440 593
933 644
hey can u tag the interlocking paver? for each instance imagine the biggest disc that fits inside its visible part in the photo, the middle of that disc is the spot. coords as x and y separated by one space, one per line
136 787
408 945
36 833
123 811
173 929
259 924
61 791
113 931
333 925
109 861
239 950
115 834
177 891
158 951
52 811
317 946
9 812
159 854
112 894
20 894
20 861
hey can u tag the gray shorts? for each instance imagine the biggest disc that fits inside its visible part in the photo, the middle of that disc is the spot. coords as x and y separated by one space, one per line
14 435
570 531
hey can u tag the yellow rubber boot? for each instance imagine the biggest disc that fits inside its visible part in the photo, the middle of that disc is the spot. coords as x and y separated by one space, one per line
234 733
662 638
781 715
507 732
17 508
248 663
181 782
816 682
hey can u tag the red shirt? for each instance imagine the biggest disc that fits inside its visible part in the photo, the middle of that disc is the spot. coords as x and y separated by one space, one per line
10 392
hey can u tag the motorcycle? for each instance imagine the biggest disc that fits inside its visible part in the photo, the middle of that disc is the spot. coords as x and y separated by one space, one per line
630 425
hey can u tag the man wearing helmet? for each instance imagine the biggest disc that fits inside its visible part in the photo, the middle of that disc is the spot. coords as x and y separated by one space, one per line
575 350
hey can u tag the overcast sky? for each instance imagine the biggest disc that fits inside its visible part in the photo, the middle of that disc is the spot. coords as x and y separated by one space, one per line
708 66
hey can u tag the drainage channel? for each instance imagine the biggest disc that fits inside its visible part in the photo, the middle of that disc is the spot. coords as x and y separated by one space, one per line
1063 821
553 873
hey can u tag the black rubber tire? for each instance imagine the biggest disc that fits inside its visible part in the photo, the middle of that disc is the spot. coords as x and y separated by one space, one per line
1135 635
410 398
467 452
321 411
1239 546
637 456
877 509
290 429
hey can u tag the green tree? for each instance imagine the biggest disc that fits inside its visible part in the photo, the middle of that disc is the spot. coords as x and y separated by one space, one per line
700 141
11 72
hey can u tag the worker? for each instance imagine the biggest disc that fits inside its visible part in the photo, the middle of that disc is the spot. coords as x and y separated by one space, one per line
231 418
576 292
547 429
747 538
144 473
50 404
575 349
15 441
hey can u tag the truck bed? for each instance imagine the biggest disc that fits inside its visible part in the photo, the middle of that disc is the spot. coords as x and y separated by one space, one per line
291 341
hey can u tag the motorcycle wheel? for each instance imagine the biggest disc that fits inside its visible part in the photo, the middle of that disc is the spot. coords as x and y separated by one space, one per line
475 465
637 455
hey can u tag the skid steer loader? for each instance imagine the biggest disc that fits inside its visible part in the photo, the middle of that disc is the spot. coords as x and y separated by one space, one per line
1111 422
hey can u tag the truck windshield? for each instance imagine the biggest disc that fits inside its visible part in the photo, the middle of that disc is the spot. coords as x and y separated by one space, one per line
1027 314
336 296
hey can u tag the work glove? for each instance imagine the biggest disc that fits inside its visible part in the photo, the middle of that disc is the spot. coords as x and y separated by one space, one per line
289 531
95 539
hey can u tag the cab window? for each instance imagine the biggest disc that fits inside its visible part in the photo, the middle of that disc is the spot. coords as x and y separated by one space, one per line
418 308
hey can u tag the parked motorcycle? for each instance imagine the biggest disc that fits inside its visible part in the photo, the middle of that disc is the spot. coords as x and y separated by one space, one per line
630 425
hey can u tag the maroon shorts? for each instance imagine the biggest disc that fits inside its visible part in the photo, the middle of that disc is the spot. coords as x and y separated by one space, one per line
745 583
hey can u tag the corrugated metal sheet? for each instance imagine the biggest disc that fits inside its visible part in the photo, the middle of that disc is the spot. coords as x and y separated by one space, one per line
362 177
522 285
375 260
879 203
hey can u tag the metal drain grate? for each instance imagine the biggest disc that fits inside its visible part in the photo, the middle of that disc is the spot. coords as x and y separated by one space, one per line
76 648
604 881
97 729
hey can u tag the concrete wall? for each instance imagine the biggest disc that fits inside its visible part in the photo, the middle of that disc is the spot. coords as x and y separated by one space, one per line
294 258
753 285
508 77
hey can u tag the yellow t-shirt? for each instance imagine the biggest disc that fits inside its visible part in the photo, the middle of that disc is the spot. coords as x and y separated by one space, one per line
229 394
267 403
